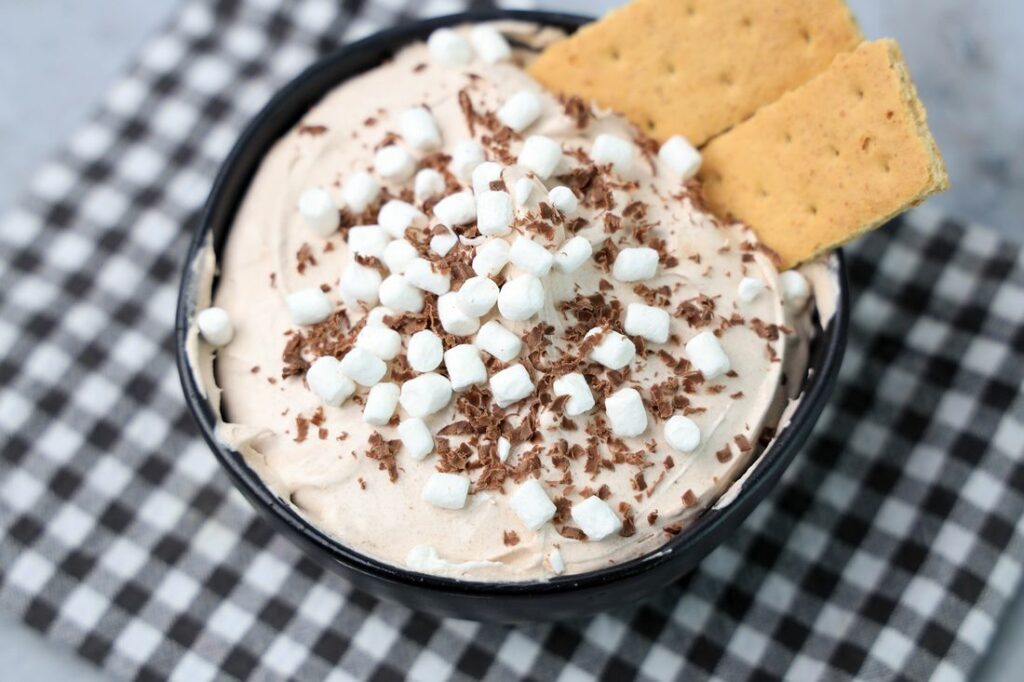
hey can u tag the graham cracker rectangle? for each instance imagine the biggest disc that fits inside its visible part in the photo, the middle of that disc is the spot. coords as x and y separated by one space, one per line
830 160
697 67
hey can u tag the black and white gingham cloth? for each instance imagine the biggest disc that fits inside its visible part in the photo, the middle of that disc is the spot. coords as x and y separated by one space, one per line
889 551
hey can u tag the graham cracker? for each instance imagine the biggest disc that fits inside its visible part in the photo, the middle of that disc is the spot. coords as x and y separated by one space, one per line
697 67
830 160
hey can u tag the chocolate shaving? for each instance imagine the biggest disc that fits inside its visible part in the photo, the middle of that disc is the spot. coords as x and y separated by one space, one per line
312 130
510 538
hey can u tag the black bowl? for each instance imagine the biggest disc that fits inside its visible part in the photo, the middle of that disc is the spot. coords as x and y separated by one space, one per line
563 597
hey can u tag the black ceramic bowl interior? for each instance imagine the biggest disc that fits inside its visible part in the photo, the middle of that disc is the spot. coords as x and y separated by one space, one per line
563 597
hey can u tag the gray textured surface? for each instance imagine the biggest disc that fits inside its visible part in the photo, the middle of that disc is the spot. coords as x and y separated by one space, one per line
964 57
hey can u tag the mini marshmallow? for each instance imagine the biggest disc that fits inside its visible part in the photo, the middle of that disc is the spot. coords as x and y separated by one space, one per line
368 240
429 183
466 156
521 298
416 438
360 191
319 211
493 213
418 128
456 209
614 150
384 342
381 402
541 155
363 367
680 156
596 518
443 242
394 163
491 257
707 355
615 351
572 254
398 254
563 199
453 320
682 433
626 413
556 562
495 340
328 382
520 110
635 264
397 293
489 44
425 351
531 256
795 289
308 306
377 315
448 48
215 326
749 288
483 175
426 394
421 274
504 448
522 190
361 283
477 296
447 491
511 385
397 216
465 368
532 505
574 385
647 321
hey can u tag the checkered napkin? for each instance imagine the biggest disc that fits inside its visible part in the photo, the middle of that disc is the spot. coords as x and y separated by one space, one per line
889 550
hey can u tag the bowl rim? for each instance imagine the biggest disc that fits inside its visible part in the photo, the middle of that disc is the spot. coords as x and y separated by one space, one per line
763 471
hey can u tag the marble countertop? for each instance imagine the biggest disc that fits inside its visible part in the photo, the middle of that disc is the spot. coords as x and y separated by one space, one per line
964 57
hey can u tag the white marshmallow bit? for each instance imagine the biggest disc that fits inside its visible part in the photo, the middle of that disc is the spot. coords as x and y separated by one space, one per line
574 385
647 321
426 394
680 156
707 355
572 254
381 402
363 367
453 319
397 216
421 274
444 242
416 438
520 110
493 213
511 385
448 48
489 44
394 163
425 351
319 211
368 240
308 306
483 175
491 257
397 293
360 283
328 382
398 254
477 296
626 413
541 155
531 256
532 505
465 368
563 199
447 491
614 150
428 184
456 209
795 289
504 448
682 433
635 264
466 156
418 128
384 342
596 518
215 326
556 562
522 190
521 298
495 340
360 191
377 315
615 351
749 288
